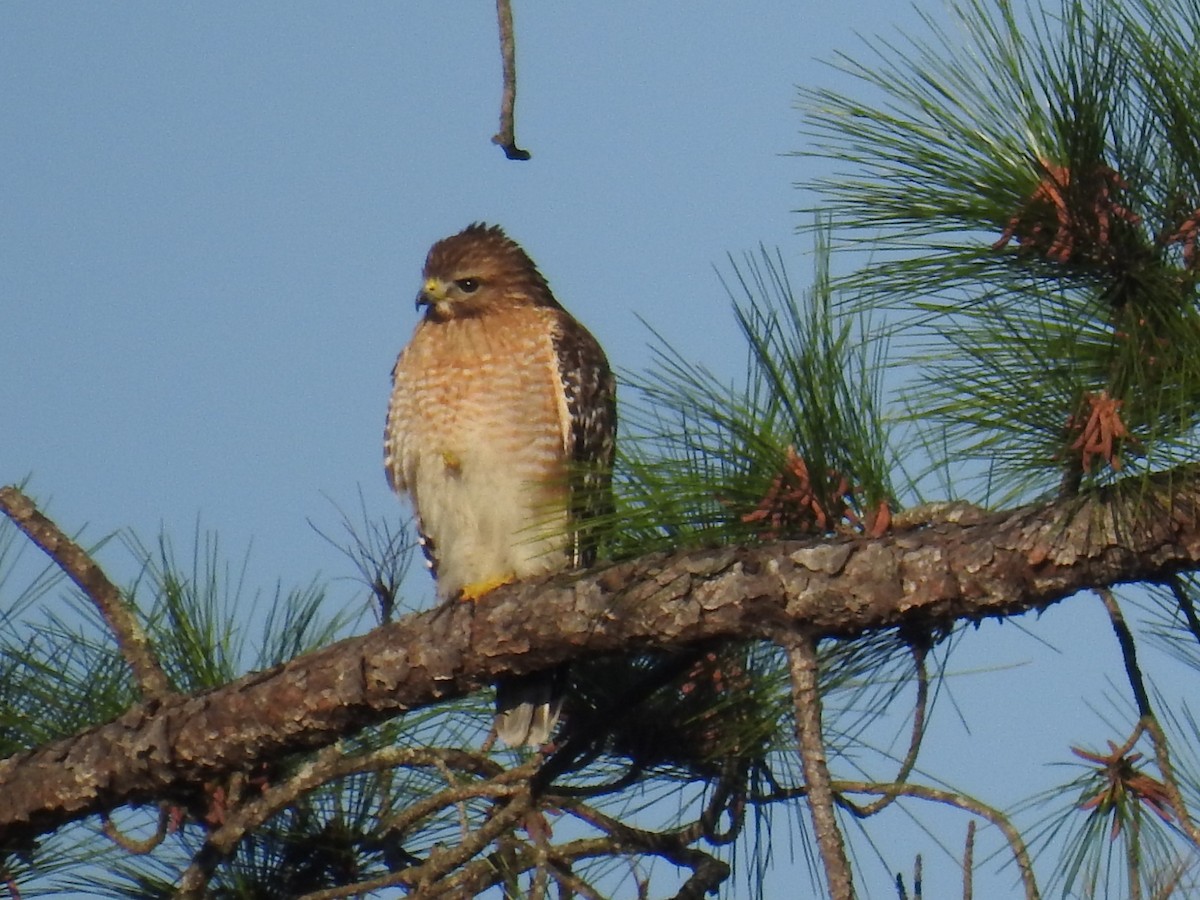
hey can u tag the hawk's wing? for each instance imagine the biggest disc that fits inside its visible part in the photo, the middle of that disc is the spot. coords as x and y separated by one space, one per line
588 407
395 471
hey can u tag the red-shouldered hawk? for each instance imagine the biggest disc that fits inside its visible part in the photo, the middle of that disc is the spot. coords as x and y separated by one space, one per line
501 431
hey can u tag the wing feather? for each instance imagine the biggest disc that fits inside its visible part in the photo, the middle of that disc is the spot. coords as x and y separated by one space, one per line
589 425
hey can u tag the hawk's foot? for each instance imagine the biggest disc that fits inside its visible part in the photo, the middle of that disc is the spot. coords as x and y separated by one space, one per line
475 590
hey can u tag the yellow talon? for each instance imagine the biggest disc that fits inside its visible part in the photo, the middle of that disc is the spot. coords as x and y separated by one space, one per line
476 590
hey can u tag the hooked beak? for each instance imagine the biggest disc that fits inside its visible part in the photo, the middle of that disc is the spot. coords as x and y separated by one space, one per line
431 294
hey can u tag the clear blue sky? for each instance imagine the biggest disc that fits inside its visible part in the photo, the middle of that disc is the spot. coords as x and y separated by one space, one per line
213 217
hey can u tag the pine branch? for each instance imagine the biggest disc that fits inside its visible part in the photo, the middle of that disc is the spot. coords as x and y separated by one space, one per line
1002 564
82 569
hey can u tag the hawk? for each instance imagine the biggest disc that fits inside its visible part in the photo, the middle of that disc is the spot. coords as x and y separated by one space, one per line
501 432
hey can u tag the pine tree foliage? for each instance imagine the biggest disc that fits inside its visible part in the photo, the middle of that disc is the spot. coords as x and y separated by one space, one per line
1030 201
1026 181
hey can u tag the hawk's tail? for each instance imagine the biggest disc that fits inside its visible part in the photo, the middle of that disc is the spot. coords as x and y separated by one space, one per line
527 707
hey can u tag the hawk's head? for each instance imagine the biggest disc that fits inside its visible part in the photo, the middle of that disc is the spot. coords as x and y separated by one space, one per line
478 270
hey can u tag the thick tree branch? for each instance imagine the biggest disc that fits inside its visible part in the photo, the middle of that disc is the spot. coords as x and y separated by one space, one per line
82 569
1002 564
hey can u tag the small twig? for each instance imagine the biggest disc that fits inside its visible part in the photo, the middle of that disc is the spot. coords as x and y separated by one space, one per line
132 845
571 883
729 795
1162 756
969 862
997 818
506 137
332 763
1186 606
802 657
708 872
1133 858
537 890
464 819
652 841
1128 652
914 745
244 817
443 861
423 878
908 789
500 786
82 569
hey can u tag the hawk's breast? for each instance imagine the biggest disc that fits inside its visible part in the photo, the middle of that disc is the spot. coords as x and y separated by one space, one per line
475 437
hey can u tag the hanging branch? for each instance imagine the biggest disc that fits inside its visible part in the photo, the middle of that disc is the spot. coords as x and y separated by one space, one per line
806 695
75 562
914 745
506 137
1128 652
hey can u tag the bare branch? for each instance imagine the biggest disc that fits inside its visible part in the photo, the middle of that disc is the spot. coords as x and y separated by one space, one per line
997 818
969 862
245 817
1128 652
443 871
132 845
506 137
708 872
1186 606
572 883
82 569
810 738
914 743
728 796
504 784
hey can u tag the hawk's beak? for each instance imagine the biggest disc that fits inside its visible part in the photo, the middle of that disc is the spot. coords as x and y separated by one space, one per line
433 293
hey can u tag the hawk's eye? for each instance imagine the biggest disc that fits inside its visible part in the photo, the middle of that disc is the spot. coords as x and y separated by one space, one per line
467 285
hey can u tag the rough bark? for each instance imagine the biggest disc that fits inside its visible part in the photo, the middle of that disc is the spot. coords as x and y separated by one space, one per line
932 575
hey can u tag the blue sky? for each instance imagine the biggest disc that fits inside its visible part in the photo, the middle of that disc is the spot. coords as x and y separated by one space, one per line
213 218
